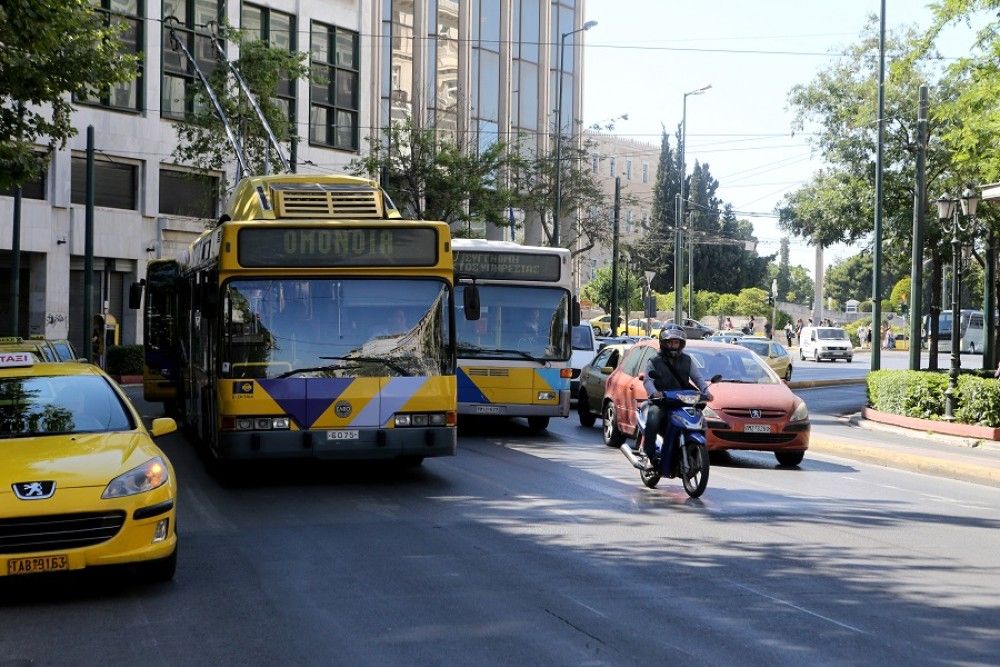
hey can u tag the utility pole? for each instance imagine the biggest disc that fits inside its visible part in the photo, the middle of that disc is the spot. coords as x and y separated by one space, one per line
88 252
677 258
690 228
917 252
774 306
876 362
614 257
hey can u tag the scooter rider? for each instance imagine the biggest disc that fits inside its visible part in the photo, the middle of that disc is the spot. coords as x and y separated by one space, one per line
670 370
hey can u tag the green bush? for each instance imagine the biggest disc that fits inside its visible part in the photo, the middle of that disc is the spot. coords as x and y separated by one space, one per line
922 394
125 360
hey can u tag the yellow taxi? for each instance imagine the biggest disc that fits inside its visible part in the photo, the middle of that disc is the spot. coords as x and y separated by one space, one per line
40 348
81 482
637 327
774 354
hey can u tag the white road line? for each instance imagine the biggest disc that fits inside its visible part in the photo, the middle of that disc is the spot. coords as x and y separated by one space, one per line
798 608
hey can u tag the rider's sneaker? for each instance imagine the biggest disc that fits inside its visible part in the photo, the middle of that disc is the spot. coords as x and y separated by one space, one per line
648 465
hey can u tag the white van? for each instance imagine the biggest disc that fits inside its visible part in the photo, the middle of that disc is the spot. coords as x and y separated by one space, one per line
818 343
585 347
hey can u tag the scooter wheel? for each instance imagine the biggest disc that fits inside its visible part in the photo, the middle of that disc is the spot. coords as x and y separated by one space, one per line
695 473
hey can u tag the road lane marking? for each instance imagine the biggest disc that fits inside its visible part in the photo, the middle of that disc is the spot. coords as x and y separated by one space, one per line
798 608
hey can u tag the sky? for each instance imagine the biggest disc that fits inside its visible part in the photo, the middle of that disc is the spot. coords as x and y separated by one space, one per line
643 55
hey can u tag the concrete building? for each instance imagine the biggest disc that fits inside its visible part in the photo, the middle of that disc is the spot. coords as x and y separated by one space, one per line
478 69
635 163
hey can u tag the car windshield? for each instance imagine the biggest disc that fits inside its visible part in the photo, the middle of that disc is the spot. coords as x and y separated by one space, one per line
734 364
321 327
47 405
831 334
583 338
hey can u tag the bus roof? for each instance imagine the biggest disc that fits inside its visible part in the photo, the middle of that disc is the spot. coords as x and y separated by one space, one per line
485 245
303 196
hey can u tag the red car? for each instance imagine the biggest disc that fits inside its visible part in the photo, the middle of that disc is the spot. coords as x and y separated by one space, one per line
751 407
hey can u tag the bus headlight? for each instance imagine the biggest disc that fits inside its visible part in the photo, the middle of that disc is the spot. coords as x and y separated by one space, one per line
546 395
420 419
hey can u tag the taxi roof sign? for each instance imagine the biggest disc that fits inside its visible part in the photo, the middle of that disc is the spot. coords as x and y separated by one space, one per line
16 359
7 340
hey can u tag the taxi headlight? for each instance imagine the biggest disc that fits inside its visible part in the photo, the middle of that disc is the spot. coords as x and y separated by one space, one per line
150 475
800 413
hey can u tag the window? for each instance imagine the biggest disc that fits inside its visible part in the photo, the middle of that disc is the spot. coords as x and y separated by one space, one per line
277 30
601 360
179 79
33 189
645 172
114 183
128 15
333 111
188 194
628 170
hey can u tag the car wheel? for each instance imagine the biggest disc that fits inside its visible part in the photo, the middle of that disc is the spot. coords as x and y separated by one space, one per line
612 436
160 570
788 373
538 424
789 458
587 418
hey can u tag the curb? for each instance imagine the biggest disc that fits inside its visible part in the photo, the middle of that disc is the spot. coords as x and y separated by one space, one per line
810 384
931 465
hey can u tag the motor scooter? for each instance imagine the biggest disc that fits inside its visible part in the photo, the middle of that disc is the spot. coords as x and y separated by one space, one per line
681 448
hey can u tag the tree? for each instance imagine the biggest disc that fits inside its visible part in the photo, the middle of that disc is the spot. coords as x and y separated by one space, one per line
598 290
656 248
900 294
752 301
849 278
50 52
799 284
431 178
783 274
201 138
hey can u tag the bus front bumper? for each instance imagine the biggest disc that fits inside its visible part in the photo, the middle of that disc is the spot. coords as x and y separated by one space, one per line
370 444
560 409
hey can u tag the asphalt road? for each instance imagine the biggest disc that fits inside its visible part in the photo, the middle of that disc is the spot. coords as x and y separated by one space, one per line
889 360
542 550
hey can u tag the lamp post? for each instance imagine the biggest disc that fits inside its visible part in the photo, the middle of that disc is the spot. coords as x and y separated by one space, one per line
680 204
948 210
647 303
559 86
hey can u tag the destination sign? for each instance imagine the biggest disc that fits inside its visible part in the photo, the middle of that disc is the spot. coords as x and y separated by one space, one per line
508 265
319 247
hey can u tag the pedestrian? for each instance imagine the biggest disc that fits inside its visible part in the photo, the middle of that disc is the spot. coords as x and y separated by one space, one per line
868 337
861 337
788 333
767 328
752 325
729 323
997 374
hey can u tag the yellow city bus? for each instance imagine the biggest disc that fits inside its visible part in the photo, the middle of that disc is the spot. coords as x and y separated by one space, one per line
313 322
514 360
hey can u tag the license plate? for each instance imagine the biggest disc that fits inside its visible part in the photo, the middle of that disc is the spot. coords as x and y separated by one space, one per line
757 428
489 410
37 564
342 435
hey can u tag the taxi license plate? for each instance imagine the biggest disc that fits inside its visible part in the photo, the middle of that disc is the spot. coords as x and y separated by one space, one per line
37 564
489 410
757 428
342 435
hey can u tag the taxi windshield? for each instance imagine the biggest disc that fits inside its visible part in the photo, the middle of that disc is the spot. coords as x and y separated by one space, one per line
48 405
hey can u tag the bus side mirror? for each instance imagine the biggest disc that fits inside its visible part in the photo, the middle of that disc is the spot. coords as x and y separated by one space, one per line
135 295
470 302
576 312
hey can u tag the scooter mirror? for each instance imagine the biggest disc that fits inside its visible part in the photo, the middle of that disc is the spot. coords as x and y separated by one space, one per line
715 378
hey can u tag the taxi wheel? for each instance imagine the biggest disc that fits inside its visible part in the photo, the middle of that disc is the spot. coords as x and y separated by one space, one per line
587 418
788 373
789 458
160 570
612 436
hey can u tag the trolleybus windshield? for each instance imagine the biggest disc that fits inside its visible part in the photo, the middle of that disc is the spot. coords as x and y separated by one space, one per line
516 322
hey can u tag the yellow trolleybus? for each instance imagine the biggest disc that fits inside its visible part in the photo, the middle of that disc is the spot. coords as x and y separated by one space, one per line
513 361
311 322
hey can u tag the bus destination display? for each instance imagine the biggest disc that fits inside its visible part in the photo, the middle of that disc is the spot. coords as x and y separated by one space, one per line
508 265
317 247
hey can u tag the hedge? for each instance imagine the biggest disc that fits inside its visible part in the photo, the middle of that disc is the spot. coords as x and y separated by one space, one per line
921 394
125 360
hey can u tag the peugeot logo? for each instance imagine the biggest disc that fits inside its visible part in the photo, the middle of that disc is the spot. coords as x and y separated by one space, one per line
755 414
34 490
343 409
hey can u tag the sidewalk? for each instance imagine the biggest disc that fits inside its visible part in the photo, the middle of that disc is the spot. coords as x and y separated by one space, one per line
964 459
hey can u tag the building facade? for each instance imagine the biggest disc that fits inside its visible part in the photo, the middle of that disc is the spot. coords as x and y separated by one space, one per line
635 163
479 70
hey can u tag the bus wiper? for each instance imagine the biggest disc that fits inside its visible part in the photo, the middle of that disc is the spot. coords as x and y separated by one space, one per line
520 353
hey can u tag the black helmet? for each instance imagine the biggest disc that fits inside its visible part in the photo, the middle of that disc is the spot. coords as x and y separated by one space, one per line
672 332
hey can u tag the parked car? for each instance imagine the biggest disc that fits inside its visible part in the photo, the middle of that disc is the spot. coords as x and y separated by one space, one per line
584 345
694 329
637 327
82 484
818 343
751 408
601 325
730 337
593 376
65 350
40 349
774 354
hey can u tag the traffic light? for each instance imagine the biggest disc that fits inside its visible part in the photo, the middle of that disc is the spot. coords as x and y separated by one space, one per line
770 300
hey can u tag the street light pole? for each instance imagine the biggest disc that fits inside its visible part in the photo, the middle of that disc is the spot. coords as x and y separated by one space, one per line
680 205
948 209
557 215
